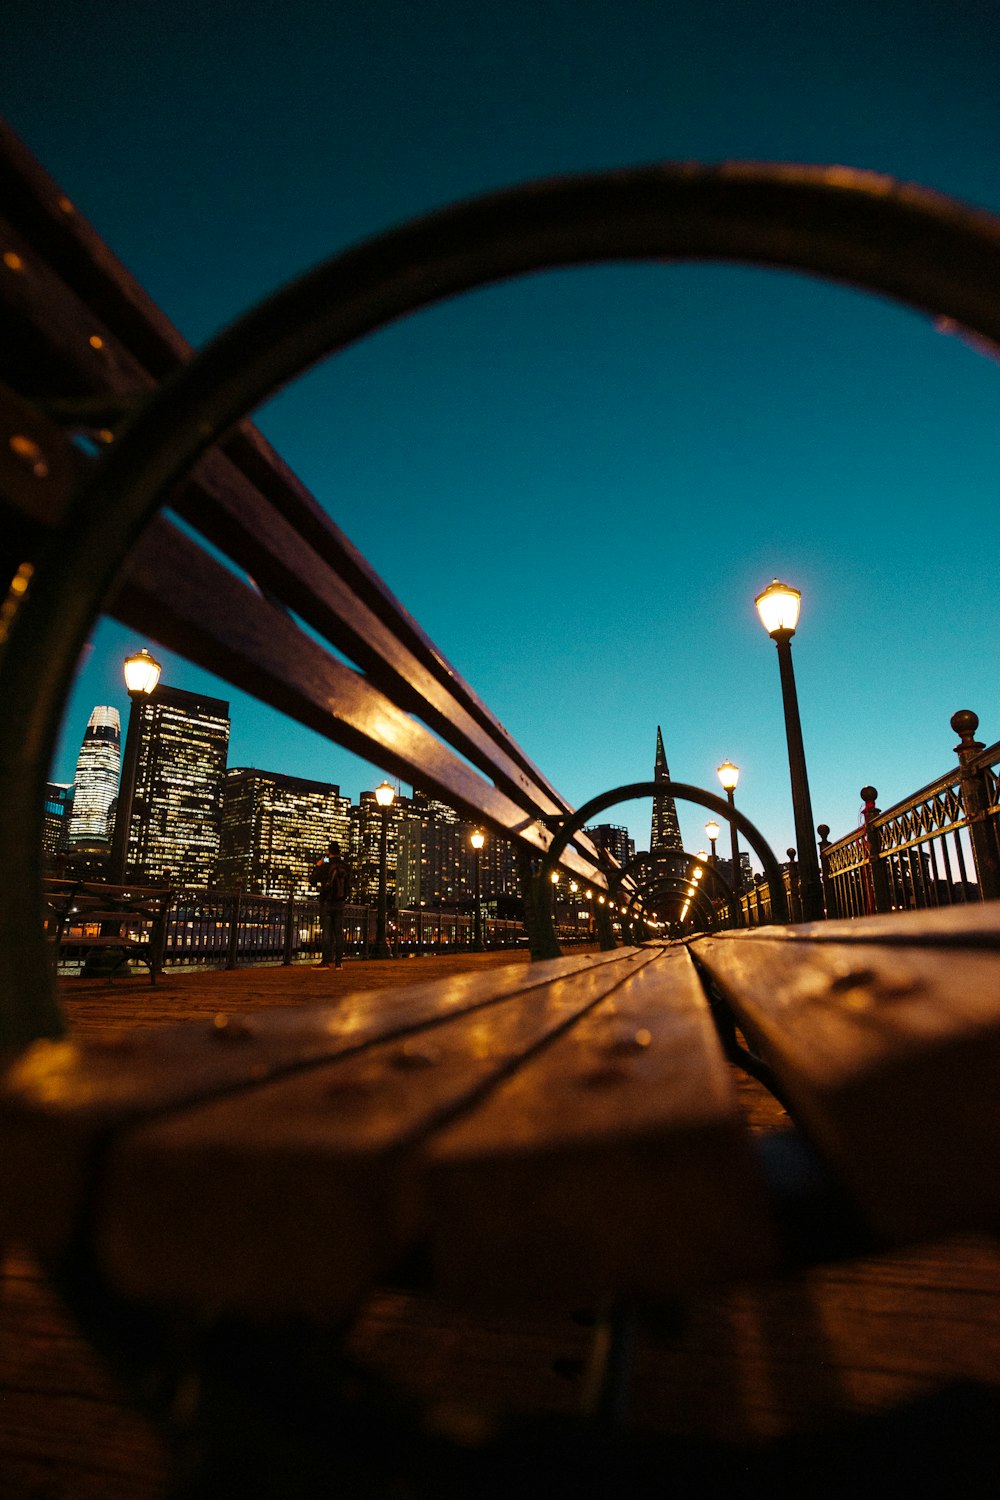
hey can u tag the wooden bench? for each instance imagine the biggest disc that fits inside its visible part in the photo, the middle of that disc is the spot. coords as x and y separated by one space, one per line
90 917
568 1129
565 1134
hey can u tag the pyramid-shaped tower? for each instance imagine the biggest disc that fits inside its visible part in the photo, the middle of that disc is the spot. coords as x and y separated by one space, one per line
666 831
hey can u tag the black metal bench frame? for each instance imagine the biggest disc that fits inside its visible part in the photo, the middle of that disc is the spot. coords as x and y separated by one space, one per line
84 348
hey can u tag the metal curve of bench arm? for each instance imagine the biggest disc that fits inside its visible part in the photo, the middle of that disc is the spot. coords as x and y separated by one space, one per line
648 857
675 886
686 793
856 227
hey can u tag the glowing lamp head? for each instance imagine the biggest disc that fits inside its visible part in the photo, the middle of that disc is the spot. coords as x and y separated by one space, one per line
778 607
554 877
712 830
729 775
142 672
477 839
385 795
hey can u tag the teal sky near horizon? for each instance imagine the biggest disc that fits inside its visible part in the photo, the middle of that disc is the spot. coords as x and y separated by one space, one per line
577 482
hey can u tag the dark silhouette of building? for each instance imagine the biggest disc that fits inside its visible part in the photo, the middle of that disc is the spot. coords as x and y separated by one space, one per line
55 822
666 831
613 838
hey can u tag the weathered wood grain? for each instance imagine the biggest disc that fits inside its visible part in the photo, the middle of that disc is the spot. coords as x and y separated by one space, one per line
614 1161
890 1056
58 1100
323 1158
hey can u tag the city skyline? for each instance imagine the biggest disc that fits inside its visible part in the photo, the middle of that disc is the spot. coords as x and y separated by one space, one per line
578 483
196 821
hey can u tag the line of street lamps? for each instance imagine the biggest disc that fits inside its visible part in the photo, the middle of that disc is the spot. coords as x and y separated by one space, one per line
778 607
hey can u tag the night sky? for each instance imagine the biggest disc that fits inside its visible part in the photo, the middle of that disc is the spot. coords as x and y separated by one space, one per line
577 482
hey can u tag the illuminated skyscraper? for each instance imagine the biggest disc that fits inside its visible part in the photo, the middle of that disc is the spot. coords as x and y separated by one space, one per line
366 832
176 811
275 827
666 831
436 863
96 783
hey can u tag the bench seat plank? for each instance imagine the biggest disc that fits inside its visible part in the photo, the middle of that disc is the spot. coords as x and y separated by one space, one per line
969 925
60 1099
889 1055
321 1161
614 1161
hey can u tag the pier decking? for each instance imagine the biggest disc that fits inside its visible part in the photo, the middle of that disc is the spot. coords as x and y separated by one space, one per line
902 1345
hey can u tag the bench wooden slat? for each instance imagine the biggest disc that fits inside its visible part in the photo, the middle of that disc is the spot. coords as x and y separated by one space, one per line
324 1159
615 1160
968 925
292 568
196 606
889 1056
86 292
59 1100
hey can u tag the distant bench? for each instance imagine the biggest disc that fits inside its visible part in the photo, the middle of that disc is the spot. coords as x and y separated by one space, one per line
124 921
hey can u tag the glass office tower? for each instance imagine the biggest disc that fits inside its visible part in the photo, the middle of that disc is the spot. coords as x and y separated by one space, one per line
98 768
274 828
176 811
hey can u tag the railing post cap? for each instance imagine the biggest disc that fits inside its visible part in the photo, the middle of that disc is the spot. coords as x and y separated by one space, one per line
965 723
869 795
823 829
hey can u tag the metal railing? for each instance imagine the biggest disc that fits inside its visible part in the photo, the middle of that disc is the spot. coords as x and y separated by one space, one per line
220 928
938 847
235 928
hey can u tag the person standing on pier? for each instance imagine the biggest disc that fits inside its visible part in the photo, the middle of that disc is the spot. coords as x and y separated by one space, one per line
332 876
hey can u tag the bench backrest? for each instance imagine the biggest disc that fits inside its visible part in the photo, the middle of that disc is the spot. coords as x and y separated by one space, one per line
82 345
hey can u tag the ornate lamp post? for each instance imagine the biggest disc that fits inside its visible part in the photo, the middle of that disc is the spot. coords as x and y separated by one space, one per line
712 832
385 796
142 673
778 607
477 840
729 775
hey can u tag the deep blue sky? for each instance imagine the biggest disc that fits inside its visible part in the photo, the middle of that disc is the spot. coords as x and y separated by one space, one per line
578 482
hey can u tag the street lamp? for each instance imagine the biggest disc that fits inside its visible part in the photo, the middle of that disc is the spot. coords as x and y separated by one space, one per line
712 832
385 796
142 673
729 775
477 840
778 606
